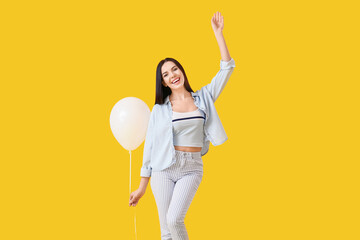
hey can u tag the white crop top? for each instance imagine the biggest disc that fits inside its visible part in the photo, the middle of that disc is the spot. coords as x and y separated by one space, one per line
188 128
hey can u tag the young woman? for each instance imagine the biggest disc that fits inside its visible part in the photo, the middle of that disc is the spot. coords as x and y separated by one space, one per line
182 124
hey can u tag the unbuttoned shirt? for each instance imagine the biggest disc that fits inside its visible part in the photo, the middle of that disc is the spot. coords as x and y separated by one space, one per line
159 150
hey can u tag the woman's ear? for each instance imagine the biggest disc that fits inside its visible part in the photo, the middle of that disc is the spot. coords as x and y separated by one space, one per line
163 83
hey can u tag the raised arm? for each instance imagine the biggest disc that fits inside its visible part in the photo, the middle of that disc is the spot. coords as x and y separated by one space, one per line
227 64
217 23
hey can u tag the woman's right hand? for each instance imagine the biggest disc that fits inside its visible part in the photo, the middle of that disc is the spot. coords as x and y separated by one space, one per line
135 197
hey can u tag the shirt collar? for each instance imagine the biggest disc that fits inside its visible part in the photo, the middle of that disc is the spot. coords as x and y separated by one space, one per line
194 94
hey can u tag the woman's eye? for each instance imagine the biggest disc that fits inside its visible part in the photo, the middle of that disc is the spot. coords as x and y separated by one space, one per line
174 70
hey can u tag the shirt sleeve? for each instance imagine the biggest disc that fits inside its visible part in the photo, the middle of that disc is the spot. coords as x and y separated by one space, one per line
217 84
146 168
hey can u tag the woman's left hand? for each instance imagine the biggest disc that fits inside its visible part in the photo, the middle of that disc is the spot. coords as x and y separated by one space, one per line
217 22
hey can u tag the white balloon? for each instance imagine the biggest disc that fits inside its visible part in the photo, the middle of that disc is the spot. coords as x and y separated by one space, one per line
129 120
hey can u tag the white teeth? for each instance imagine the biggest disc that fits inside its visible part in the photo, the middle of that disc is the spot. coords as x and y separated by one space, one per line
176 80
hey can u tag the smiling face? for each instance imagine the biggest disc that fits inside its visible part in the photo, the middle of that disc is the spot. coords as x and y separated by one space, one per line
170 73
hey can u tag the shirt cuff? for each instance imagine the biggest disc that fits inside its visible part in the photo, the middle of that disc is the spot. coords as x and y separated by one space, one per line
145 172
227 65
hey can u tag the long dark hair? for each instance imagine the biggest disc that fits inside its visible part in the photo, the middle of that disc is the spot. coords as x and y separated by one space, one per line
161 91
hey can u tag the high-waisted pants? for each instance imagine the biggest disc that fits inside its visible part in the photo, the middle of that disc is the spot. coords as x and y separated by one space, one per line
173 189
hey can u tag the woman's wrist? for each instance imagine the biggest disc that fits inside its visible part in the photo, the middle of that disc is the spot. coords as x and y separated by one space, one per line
142 189
143 183
218 34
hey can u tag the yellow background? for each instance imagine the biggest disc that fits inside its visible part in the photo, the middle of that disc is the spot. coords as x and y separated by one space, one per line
290 109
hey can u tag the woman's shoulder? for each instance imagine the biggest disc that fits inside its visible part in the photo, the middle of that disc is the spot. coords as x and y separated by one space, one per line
158 106
158 112
155 108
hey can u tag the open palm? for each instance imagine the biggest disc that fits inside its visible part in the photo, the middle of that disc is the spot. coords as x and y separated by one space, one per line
217 22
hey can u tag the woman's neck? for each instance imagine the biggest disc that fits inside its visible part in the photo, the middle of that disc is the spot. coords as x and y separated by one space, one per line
179 95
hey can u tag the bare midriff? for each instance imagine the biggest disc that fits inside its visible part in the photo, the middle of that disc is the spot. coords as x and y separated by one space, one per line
188 149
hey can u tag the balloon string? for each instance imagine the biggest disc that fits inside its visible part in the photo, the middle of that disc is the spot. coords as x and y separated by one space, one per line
130 193
135 224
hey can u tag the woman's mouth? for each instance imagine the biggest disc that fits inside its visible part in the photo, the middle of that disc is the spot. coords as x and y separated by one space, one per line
176 81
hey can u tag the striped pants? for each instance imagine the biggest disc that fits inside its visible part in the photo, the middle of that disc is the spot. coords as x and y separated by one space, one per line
173 189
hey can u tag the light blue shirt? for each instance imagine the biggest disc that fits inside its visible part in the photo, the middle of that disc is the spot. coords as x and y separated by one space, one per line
159 150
